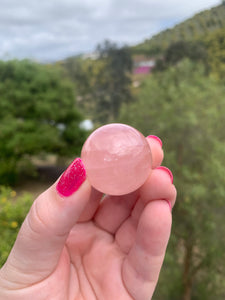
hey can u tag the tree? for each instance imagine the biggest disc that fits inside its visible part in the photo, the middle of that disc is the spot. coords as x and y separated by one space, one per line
177 51
38 115
215 43
187 110
104 83
116 88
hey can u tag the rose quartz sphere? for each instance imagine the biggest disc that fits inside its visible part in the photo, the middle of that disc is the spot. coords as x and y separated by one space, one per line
117 159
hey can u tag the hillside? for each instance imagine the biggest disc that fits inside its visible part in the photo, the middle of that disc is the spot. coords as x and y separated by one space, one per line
194 28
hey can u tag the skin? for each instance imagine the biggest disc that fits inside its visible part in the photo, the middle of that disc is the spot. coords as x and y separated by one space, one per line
82 247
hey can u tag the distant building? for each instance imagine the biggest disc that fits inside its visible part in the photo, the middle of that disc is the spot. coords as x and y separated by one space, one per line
143 64
142 70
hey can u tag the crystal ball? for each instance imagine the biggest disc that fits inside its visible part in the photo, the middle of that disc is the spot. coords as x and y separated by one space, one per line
117 158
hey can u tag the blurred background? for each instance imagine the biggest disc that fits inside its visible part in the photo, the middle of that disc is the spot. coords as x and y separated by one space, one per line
68 67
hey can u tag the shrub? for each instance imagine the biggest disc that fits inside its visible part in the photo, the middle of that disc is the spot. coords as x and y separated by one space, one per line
13 210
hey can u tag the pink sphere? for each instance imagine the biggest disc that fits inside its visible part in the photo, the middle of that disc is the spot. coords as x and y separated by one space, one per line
117 159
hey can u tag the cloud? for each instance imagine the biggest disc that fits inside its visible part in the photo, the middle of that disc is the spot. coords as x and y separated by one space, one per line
54 29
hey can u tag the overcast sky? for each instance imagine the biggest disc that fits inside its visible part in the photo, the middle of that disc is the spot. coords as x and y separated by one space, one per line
48 30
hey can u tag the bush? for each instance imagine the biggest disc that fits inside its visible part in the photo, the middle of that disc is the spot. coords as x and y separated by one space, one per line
12 213
38 116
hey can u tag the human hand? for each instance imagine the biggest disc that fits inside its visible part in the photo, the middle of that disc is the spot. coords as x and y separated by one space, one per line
81 247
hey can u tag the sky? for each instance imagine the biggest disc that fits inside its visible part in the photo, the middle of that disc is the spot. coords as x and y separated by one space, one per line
50 30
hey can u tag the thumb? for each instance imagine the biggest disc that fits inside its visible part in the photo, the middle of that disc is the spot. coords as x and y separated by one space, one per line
44 232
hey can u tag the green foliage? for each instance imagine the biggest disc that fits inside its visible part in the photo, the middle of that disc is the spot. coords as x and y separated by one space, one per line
195 51
186 109
37 113
12 214
194 28
215 43
116 88
102 84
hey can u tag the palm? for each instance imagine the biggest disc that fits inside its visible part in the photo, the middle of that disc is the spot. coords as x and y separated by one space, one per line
96 248
93 260
96 251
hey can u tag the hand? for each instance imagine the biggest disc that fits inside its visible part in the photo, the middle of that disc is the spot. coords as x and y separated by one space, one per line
81 247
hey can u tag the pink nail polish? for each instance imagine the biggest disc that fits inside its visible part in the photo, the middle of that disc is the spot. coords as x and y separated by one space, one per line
167 170
156 138
72 178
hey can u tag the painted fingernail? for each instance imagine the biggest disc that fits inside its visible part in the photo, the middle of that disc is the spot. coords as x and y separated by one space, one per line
170 205
166 170
72 178
156 138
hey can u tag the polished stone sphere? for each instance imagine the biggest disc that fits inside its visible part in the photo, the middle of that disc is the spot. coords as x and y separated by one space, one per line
117 158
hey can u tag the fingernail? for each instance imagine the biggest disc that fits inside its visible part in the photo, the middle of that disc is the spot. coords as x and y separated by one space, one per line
169 203
72 178
167 170
156 138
